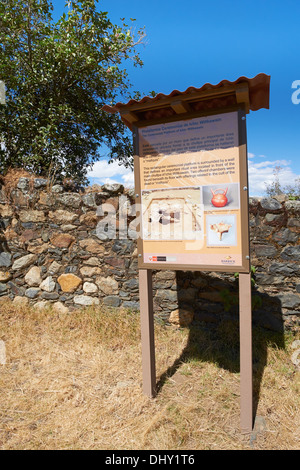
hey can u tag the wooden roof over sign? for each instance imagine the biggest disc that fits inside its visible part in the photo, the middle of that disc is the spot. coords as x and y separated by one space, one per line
246 93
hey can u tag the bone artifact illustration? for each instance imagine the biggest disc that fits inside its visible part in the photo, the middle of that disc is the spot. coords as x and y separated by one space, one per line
220 229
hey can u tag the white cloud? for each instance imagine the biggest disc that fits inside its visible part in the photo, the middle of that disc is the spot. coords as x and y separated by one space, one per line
128 179
108 181
103 172
262 174
102 169
273 164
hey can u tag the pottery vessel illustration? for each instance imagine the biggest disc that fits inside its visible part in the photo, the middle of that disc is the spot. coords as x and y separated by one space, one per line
219 199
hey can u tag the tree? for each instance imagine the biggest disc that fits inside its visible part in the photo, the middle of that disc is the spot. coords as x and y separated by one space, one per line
293 190
58 75
274 188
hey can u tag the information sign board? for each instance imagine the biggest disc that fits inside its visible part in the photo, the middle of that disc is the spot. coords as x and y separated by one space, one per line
191 180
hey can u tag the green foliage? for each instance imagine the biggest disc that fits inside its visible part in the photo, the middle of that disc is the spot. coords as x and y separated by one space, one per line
275 188
229 299
293 191
256 301
253 271
58 75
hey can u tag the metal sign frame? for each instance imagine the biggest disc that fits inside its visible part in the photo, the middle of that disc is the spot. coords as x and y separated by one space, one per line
242 96
244 208
245 302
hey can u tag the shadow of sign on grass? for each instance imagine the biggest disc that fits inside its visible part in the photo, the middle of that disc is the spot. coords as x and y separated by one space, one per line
217 338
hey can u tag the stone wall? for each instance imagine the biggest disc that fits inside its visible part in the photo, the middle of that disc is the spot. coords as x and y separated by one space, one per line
52 252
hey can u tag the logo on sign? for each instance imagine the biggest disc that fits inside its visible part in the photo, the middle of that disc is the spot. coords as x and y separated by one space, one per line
228 260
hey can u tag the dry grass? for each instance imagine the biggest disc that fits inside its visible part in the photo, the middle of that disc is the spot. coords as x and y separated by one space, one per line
12 176
74 382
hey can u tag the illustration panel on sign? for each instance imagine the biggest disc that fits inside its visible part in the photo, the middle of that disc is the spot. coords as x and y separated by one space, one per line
221 230
172 214
221 197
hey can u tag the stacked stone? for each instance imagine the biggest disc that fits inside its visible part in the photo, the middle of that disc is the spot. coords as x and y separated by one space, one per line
52 253
275 252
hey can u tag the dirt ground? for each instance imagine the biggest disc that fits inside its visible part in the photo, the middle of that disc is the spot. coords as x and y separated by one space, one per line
74 382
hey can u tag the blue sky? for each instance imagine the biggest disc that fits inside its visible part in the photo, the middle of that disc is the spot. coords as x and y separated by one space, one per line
192 42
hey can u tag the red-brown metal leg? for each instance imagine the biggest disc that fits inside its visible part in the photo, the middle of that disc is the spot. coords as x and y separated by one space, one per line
147 332
246 372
